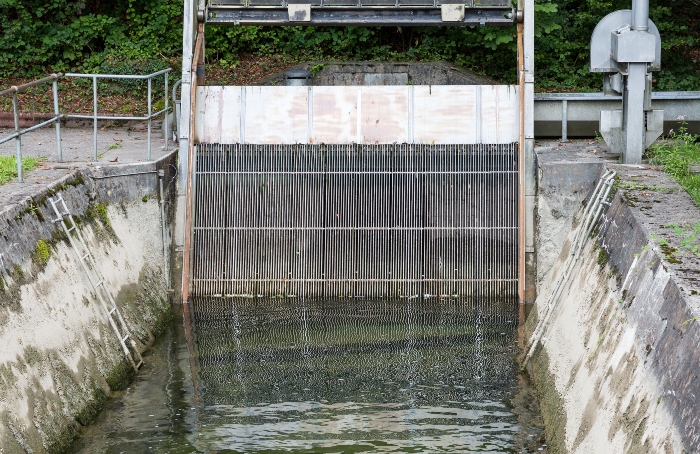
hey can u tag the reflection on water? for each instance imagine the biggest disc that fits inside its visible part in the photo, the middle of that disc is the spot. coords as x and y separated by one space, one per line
342 377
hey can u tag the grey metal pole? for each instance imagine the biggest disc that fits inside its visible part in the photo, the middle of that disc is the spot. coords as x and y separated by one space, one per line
148 153
565 121
18 139
165 116
94 120
640 15
57 124
633 109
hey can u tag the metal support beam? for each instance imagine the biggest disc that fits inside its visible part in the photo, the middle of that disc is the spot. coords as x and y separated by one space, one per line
528 262
360 16
633 113
183 131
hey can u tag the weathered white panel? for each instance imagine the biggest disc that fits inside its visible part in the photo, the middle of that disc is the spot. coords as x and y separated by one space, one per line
365 114
218 115
230 114
277 115
499 114
199 113
334 115
384 114
445 114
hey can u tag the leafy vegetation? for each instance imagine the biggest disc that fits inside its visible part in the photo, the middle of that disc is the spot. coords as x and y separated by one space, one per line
129 36
680 157
8 166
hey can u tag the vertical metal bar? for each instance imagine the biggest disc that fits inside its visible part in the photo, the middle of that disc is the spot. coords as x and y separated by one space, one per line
148 153
564 121
521 164
165 115
18 139
189 199
640 15
94 119
57 124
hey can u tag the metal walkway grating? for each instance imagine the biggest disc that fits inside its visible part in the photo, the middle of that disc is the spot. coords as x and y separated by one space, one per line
356 220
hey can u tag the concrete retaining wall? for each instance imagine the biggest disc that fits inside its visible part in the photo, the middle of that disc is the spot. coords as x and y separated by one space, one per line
60 358
617 370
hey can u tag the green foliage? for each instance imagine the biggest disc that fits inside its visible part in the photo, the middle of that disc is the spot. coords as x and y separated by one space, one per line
680 157
8 166
64 34
138 37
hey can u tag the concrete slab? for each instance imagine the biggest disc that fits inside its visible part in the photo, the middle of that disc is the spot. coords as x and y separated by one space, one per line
115 146
384 73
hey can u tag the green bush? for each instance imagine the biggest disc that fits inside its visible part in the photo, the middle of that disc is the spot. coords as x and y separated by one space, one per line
130 36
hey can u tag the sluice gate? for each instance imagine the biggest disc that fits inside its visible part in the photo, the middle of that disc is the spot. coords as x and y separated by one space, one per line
356 191
356 220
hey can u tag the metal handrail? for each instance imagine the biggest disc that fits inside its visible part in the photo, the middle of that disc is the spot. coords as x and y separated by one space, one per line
95 117
14 91
53 78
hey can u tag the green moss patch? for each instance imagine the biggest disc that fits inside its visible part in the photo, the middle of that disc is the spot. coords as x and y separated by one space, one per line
42 253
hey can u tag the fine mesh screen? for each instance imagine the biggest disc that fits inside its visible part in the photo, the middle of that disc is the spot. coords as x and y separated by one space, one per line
356 220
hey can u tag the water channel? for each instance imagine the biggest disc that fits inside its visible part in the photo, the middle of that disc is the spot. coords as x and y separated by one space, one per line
343 376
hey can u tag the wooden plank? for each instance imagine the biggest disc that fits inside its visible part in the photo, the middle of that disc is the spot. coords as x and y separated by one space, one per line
230 114
334 115
199 113
213 105
384 114
499 114
444 114
276 115
280 115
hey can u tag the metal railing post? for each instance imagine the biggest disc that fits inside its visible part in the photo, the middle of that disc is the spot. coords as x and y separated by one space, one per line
57 124
94 120
565 121
148 154
18 139
165 115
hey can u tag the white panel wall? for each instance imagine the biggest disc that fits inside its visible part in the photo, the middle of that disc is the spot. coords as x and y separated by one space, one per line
450 114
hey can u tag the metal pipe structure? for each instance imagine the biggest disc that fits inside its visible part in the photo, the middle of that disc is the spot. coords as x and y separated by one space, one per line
640 15
94 119
166 268
148 147
57 114
34 83
165 117
18 138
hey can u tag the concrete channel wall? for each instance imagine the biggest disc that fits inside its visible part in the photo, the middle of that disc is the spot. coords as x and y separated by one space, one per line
60 358
617 367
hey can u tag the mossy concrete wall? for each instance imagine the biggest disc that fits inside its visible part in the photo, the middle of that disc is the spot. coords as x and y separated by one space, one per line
617 369
60 358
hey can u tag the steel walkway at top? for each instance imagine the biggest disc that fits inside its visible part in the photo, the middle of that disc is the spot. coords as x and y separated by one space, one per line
360 12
